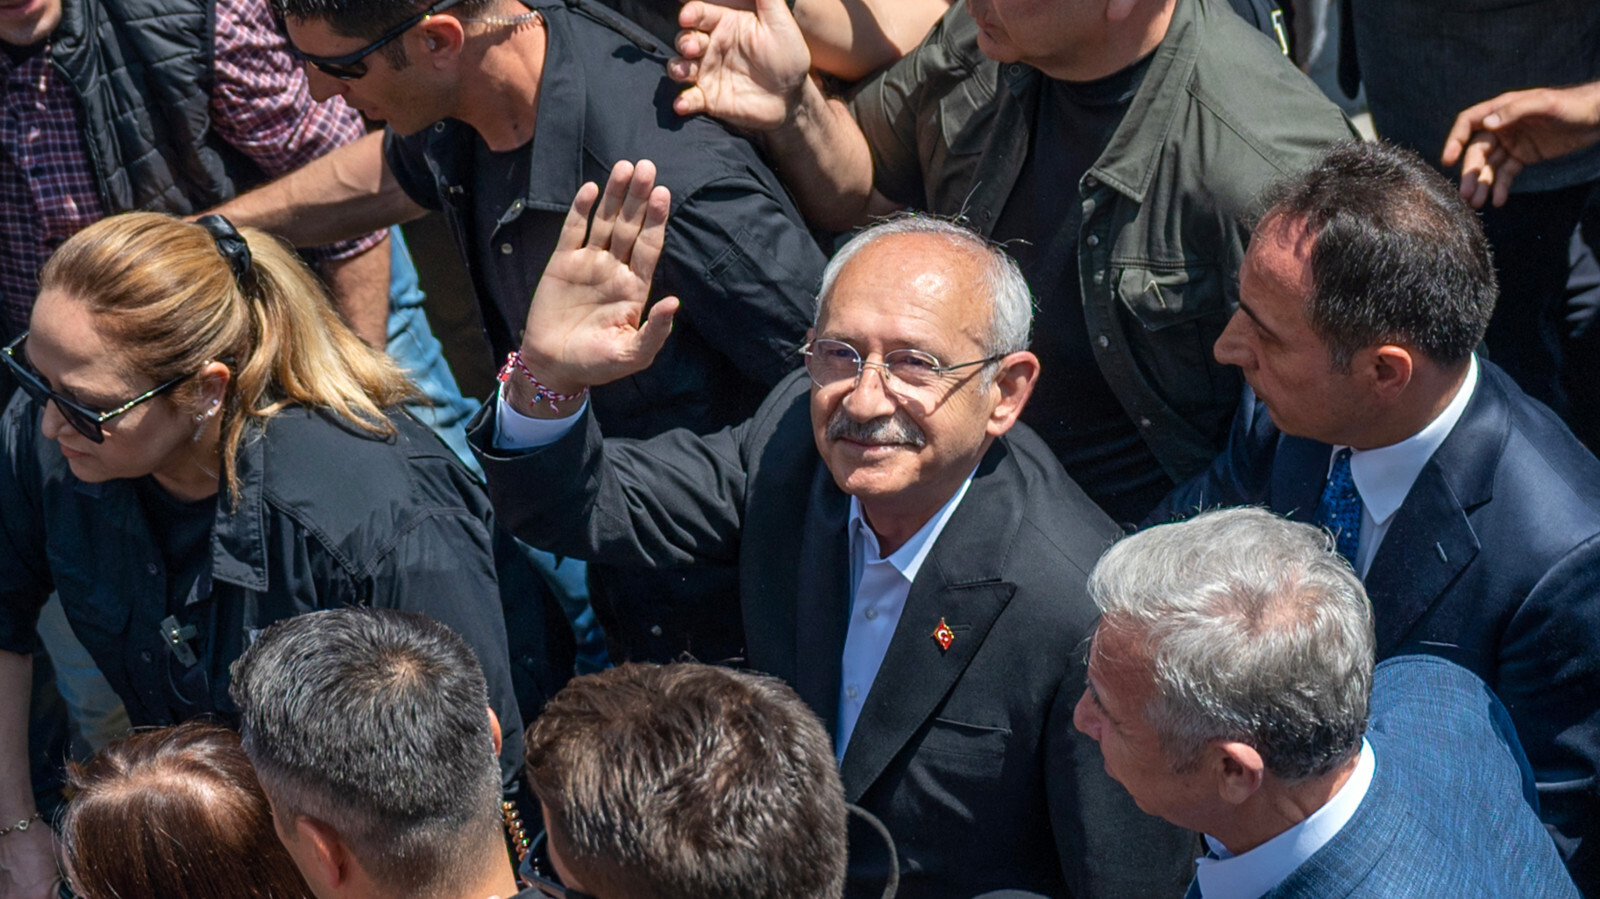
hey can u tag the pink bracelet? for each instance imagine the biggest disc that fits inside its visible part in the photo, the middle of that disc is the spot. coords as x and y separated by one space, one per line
541 393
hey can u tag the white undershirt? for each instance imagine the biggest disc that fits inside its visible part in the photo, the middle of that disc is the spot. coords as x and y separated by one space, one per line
1384 475
879 587
1254 873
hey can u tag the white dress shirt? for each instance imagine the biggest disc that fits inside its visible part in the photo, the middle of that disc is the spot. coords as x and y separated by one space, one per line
516 430
1252 874
879 587
1384 475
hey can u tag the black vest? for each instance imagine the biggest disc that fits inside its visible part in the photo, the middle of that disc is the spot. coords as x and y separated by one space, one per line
142 71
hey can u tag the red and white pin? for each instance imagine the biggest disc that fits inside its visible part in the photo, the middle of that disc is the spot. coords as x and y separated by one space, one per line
943 635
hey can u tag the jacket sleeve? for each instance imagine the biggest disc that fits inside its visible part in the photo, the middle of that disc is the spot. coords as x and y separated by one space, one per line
748 273
1241 475
671 501
25 580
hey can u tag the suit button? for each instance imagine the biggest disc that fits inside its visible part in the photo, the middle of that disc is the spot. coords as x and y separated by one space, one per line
506 249
1144 422
871 614
655 630
1103 340
1092 240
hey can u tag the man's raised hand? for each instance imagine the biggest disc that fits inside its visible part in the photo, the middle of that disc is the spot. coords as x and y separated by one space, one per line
745 66
587 324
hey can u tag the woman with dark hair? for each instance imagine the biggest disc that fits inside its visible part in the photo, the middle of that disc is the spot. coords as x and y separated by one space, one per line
174 813
201 447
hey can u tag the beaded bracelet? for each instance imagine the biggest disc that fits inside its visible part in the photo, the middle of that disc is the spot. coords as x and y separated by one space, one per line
541 393
24 824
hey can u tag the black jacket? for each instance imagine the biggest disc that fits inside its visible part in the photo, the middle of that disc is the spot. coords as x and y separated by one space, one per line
326 517
968 754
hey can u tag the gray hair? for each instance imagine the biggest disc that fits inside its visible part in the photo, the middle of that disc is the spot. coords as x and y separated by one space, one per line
1254 629
1011 304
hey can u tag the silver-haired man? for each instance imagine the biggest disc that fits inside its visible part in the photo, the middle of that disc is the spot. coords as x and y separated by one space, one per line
1228 687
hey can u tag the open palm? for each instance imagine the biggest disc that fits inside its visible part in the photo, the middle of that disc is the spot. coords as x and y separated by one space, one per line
587 323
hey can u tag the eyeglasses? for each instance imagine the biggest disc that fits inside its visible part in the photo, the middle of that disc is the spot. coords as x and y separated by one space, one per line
532 872
349 66
84 420
904 371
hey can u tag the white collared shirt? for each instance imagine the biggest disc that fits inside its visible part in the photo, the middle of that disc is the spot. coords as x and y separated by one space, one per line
1384 475
879 587
1254 873
516 430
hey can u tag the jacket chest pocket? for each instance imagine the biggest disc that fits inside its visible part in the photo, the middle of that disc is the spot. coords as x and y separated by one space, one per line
1175 315
958 750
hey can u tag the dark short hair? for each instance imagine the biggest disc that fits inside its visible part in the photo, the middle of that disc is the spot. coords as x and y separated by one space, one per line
1397 255
375 723
175 813
688 781
367 18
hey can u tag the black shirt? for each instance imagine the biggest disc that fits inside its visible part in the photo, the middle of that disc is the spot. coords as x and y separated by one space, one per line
1073 408
737 252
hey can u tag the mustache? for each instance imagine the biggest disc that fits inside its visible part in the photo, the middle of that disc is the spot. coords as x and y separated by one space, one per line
894 429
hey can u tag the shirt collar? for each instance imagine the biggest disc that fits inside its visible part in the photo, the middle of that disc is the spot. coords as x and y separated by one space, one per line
1254 873
908 558
1384 475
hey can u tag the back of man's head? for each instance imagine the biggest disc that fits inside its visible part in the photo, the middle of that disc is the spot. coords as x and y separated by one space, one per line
1397 256
688 781
1254 630
375 724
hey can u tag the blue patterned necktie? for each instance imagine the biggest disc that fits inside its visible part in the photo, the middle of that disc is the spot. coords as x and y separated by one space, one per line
1339 510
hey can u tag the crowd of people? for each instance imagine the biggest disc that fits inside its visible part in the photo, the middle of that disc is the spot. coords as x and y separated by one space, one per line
1011 448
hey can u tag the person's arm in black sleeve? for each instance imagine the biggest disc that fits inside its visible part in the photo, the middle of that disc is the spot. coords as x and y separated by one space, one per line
1240 476
747 272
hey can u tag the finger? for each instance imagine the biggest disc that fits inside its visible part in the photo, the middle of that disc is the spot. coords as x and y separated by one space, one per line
577 221
1507 173
698 15
1477 150
683 70
691 44
605 217
634 206
1516 107
652 236
1468 122
653 334
691 102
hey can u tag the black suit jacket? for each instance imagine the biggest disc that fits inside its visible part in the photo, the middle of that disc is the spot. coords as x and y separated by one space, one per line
967 754
1492 561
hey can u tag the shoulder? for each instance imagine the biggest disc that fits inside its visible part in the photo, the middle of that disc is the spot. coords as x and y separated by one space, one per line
360 491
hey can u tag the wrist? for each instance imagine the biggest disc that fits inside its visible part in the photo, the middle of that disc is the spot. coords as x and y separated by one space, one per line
805 106
532 393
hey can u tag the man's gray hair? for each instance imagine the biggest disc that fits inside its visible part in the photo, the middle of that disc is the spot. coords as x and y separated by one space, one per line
1254 630
1011 309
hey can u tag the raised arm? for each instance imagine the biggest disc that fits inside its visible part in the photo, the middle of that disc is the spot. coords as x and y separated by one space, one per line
750 69
348 192
1498 138
854 38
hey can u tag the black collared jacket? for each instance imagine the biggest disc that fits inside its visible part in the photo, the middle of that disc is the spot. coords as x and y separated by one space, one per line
327 516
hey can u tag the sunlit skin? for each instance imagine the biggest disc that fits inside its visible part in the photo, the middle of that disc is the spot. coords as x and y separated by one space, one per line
24 23
1071 40
913 291
408 98
75 356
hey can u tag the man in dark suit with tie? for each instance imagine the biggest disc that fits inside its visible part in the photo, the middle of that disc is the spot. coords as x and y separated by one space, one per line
1230 685
1468 509
910 560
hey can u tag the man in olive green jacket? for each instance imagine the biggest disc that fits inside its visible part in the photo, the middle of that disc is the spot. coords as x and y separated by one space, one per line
1167 115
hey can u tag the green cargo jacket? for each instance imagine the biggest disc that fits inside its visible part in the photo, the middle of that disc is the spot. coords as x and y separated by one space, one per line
1220 115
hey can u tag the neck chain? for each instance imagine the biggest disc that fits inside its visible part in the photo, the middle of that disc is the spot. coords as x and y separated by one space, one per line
531 15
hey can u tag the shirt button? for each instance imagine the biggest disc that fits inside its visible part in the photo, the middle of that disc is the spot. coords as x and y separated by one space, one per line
655 630
1099 277
438 127
1015 70
505 249
151 567
872 614
1088 208
1103 340
851 691
516 205
1092 240
1090 181
1144 422
144 656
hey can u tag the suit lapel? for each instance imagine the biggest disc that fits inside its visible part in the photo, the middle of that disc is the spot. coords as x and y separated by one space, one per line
822 602
1431 539
959 583
1299 471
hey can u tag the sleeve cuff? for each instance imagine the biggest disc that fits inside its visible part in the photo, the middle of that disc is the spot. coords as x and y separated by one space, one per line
516 431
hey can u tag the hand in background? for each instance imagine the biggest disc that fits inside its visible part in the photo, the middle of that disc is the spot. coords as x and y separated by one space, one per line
745 67
1496 139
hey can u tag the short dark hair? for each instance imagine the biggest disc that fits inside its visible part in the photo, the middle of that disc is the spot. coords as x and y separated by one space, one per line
367 19
1397 255
376 723
688 781
175 813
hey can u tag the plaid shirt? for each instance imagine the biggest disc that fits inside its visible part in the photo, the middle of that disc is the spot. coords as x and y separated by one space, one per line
260 104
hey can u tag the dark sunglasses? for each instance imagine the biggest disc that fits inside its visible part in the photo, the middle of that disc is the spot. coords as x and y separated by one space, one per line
349 67
533 868
84 420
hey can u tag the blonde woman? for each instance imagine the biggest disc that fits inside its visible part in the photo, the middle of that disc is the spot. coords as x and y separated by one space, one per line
200 447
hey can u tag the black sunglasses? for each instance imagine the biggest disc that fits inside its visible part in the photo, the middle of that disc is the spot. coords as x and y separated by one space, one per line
84 420
532 872
349 66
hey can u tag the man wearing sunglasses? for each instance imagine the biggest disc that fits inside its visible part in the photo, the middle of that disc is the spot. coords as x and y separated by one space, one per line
497 111
911 560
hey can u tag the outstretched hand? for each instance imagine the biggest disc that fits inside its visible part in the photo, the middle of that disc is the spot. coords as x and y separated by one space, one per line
1496 139
745 65
587 323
